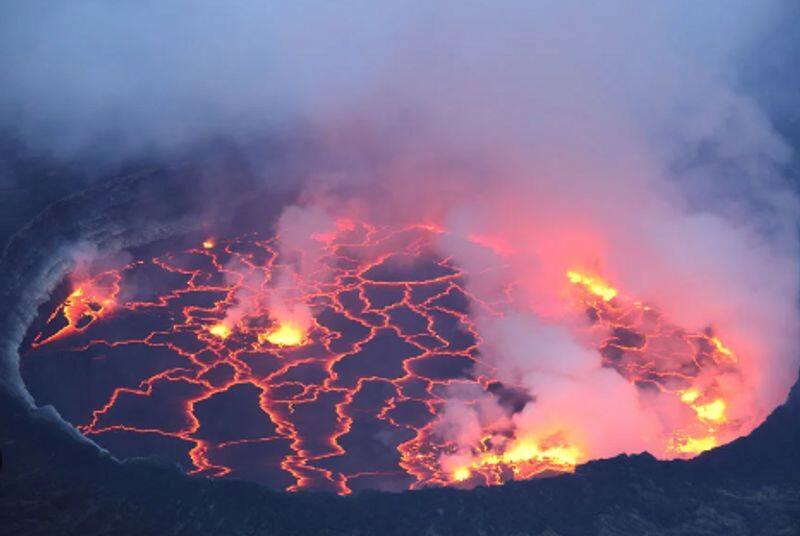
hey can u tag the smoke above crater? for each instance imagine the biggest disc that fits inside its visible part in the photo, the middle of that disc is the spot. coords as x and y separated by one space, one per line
600 171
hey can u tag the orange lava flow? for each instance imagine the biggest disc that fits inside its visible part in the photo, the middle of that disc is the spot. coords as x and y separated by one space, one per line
286 334
88 302
647 350
351 401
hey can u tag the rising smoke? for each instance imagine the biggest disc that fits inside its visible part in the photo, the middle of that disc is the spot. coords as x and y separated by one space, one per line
615 139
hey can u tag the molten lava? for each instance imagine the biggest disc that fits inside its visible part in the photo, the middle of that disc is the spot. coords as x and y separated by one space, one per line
352 398
524 459
220 330
713 412
644 348
285 334
592 284
90 301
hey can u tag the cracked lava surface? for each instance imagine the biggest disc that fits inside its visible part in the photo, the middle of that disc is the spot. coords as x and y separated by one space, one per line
182 353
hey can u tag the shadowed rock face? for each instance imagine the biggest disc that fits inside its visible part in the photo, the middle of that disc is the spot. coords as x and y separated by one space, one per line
55 482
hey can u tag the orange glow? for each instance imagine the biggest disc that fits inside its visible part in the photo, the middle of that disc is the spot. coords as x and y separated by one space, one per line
689 396
710 413
710 426
593 284
722 349
524 458
526 451
220 331
713 412
285 335
694 445
91 300
461 474
691 369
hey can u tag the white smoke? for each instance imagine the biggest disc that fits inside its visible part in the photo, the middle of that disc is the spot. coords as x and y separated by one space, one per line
612 137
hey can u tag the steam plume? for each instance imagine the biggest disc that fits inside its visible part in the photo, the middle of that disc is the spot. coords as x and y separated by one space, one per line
544 137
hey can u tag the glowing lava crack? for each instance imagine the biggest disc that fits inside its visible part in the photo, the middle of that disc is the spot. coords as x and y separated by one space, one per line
185 355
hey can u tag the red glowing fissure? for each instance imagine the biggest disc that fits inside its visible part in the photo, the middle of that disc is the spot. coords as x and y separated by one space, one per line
389 316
